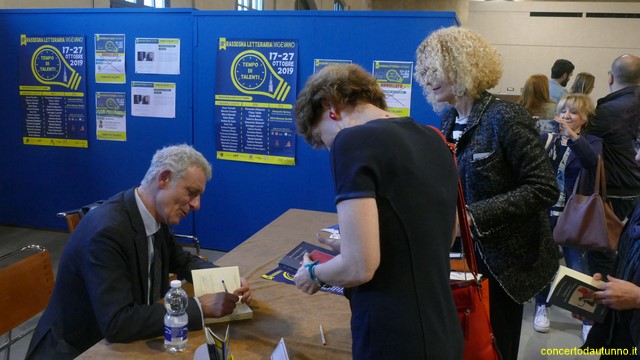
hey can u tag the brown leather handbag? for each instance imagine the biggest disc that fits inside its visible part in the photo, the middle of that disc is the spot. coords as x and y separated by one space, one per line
588 221
472 296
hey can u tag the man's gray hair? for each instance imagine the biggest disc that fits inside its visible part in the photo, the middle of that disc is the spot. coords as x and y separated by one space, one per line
177 159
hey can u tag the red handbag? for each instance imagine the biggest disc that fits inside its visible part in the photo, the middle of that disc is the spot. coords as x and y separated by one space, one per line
471 296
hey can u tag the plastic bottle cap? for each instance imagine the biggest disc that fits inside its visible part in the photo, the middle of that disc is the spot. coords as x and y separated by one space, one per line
176 283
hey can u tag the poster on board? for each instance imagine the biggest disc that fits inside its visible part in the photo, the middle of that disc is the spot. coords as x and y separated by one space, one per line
255 93
153 99
157 56
111 116
110 59
319 64
394 78
52 75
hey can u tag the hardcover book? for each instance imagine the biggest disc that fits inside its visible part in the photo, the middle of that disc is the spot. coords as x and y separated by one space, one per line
293 260
569 290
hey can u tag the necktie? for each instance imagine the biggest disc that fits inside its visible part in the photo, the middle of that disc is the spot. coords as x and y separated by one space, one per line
156 267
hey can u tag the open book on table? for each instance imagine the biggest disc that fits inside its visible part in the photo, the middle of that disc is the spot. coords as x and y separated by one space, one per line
214 280
568 291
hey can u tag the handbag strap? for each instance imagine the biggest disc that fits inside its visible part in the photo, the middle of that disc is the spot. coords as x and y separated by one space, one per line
549 138
600 186
465 231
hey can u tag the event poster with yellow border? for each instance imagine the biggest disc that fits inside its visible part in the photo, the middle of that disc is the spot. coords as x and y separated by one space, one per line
53 90
255 94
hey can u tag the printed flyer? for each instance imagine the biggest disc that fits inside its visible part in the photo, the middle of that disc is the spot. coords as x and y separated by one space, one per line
256 90
158 56
111 116
153 99
318 64
110 59
52 77
395 77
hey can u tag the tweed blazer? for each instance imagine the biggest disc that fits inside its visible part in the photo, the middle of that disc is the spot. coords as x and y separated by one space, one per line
509 185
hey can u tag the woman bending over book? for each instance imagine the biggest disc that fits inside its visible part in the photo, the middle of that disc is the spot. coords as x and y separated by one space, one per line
395 184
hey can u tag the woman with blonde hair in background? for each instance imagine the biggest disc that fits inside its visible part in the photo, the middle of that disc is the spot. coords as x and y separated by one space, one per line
570 152
507 180
583 83
535 98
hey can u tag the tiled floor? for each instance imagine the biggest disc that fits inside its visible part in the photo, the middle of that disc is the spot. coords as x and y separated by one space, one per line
565 332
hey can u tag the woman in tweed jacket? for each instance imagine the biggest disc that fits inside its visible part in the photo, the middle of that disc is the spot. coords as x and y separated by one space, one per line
506 176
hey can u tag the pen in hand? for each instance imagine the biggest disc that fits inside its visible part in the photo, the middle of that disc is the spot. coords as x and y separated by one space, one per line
224 286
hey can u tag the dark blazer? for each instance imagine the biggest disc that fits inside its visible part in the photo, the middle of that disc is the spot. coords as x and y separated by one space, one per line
102 283
611 122
508 184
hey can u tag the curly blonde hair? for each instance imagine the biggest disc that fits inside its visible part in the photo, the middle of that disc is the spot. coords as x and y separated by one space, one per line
462 58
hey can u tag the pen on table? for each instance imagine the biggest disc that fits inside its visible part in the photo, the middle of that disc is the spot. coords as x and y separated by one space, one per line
324 341
225 286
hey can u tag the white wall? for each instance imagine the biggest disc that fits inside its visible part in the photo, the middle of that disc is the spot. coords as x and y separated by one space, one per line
530 45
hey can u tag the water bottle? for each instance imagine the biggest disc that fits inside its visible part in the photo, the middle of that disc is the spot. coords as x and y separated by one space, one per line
176 320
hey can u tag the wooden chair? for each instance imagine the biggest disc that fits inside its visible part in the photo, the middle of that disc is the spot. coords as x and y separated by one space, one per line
26 284
73 217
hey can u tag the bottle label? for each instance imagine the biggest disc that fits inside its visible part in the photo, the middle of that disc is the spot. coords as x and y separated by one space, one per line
175 334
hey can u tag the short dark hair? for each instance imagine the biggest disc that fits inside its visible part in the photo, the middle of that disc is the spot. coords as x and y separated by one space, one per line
561 67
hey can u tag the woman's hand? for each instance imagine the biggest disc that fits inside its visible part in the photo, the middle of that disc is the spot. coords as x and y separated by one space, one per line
334 244
566 130
303 280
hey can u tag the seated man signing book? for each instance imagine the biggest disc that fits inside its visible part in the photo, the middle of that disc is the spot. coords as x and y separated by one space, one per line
115 266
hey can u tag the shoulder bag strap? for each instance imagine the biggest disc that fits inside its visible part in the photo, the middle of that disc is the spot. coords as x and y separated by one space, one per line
465 231
549 138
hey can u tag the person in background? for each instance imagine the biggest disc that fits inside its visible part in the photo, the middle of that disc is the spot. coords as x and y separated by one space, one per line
396 191
583 83
561 72
535 98
506 177
622 171
115 267
570 151
620 331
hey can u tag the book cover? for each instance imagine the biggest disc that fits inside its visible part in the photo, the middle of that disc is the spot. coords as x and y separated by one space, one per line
218 348
293 260
214 280
568 291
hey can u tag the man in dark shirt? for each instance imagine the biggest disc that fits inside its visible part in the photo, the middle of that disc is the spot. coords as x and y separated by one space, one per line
622 171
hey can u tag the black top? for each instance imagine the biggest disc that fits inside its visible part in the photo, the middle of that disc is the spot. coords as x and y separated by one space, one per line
406 311
612 124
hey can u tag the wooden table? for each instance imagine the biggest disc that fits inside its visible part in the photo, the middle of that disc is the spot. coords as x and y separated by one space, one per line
279 310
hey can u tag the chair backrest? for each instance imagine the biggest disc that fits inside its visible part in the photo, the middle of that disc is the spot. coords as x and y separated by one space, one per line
74 216
25 285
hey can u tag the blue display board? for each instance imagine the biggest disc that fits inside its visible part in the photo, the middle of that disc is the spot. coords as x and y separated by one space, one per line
243 197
